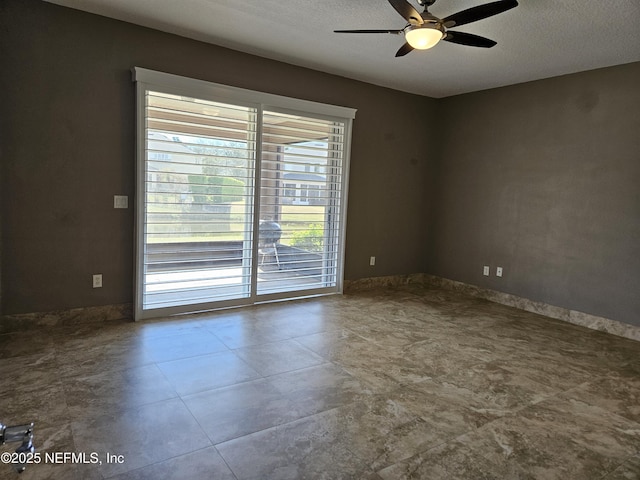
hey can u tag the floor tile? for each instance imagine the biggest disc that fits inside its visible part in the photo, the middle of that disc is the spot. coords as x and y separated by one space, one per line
231 412
298 450
302 323
206 463
558 438
629 470
206 372
99 355
282 311
24 343
553 370
445 462
278 357
28 373
619 394
331 344
408 364
246 333
184 345
319 388
381 430
169 327
488 388
449 415
143 435
112 392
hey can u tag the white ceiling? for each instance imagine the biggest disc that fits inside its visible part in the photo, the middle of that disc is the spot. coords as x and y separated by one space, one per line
538 39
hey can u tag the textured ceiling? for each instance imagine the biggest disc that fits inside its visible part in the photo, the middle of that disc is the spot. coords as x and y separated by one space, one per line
538 39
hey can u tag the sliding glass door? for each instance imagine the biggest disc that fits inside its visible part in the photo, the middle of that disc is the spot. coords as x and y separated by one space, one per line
199 189
237 202
301 175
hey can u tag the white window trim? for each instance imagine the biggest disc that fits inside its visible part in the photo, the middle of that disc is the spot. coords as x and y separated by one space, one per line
146 79
204 89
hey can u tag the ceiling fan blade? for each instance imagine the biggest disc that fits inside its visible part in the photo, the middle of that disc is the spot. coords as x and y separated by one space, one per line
396 32
478 13
406 48
406 11
468 39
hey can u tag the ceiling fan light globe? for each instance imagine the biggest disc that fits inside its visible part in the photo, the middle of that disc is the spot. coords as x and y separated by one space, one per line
423 37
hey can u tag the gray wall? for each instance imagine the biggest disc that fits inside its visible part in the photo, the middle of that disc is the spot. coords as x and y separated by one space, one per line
67 136
543 179
539 178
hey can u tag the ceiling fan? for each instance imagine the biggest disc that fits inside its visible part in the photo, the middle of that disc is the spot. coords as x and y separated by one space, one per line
425 30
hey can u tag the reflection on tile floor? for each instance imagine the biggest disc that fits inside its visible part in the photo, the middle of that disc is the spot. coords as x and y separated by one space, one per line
410 382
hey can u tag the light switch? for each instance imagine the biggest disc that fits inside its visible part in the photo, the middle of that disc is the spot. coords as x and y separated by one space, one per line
120 201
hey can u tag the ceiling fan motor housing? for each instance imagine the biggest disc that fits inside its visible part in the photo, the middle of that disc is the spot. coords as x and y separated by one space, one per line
436 25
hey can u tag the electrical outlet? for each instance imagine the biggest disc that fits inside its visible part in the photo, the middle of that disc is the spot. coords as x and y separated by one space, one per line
499 272
97 280
372 261
485 271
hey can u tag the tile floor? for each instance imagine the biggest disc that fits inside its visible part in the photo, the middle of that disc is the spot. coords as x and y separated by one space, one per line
413 382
